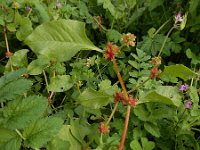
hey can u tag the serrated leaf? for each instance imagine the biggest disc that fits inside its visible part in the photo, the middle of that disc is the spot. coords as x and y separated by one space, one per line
25 28
60 83
134 64
37 66
151 32
9 140
164 94
60 40
94 99
178 70
195 58
11 76
113 35
107 4
151 128
18 60
66 135
135 145
147 145
13 89
42 131
19 113
142 113
105 86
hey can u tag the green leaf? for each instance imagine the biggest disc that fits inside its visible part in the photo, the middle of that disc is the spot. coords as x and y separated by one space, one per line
178 70
25 28
66 135
193 7
164 94
135 145
147 145
94 99
107 4
151 128
195 100
37 66
9 140
113 35
194 57
11 76
21 112
60 83
42 131
14 88
105 86
151 32
58 144
18 60
60 40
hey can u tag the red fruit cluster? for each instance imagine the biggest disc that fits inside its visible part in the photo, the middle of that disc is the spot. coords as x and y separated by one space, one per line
118 96
111 51
104 128
154 73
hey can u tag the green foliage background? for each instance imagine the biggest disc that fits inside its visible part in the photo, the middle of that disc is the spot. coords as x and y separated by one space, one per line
57 86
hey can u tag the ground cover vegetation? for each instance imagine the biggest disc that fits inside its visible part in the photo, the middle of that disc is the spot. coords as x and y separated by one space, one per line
99 74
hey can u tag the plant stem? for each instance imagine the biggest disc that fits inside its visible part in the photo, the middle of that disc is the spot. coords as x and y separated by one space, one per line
120 78
6 39
140 85
161 27
113 112
19 133
128 108
161 49
125 127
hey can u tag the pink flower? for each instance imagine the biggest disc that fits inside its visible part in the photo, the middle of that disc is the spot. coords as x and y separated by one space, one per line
178 18
184 87
188 104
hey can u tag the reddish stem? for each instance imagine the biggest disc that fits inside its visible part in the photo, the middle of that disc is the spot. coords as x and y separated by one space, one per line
125 127
6 39
128 108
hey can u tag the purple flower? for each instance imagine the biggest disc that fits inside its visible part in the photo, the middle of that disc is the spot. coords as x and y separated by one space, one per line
178 18
184 87
188 104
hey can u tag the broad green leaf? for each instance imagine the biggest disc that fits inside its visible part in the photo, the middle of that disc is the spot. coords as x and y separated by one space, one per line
135 145
178 70
9 140
37 66
60 40
164 94
19 113
18 60
151 128
60 83
147 145
14 88
183 23
94 99
42 131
